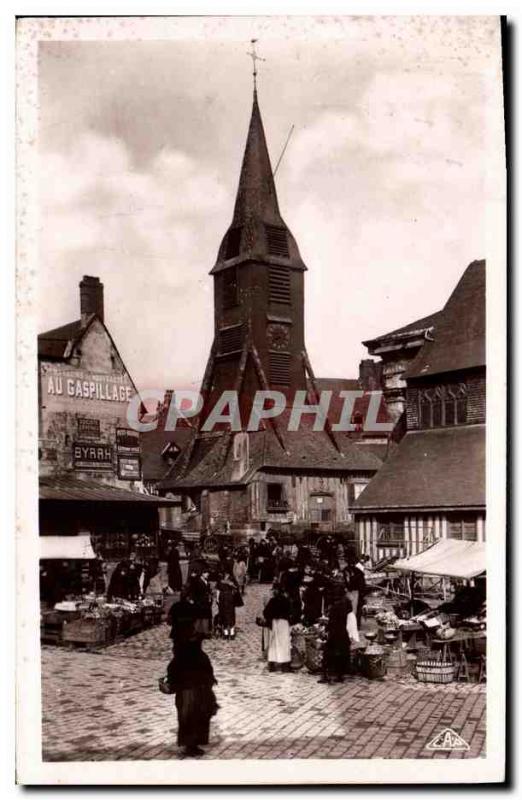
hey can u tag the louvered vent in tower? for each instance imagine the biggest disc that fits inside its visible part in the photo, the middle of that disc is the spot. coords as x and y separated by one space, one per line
279 364
279 284
230 339
277 241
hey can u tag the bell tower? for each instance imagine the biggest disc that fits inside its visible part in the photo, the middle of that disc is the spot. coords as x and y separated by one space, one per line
258 286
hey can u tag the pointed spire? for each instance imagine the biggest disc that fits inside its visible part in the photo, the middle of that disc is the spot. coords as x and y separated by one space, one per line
256 194
256 206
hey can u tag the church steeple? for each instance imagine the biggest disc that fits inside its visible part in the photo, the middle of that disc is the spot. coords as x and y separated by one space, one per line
258 288
256 194
257 231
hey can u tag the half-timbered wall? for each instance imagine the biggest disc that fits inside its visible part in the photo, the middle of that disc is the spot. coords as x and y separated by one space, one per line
409 533
273 498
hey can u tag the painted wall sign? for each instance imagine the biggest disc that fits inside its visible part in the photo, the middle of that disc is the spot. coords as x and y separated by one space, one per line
87 455
82 385
129 468
127 441
89 427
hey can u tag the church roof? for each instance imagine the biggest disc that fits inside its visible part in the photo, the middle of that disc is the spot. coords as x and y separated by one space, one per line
459 340
212 464
257 231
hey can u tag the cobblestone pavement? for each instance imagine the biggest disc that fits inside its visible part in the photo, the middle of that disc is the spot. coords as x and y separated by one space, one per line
106 705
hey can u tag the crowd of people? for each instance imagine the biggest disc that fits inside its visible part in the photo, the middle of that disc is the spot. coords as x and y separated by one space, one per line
326 586
323 585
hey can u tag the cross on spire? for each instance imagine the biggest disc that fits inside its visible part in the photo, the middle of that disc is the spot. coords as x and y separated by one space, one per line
253 55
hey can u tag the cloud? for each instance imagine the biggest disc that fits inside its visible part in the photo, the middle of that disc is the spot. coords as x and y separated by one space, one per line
137 230
382 182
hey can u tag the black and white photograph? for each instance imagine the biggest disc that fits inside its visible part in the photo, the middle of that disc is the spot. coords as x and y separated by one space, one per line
261 267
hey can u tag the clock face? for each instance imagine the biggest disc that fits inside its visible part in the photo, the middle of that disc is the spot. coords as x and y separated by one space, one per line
278 337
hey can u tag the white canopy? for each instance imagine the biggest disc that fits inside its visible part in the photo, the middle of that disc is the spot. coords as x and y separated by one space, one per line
66 547
450 557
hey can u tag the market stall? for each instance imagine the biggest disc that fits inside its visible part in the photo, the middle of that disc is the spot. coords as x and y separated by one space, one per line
455 630
73 592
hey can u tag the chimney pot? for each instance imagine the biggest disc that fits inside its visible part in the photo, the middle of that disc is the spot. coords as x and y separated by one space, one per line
91 298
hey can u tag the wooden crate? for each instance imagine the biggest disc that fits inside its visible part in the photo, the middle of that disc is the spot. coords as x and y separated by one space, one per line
88 631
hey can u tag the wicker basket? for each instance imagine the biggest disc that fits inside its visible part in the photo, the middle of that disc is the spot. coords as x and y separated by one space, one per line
435 671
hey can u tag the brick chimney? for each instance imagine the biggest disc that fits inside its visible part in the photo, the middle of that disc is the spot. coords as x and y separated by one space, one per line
370 375
91 298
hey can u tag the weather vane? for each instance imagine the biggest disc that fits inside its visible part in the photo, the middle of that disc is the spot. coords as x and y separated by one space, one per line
253 55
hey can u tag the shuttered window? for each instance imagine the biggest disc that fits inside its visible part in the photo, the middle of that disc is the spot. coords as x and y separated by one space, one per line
277 241
463 528
279 368
279 284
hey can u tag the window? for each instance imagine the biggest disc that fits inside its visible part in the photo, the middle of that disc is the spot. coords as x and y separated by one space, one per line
279 364
436 407
233 243
425 409
391 534
443 406
229 287
463 527
277 241
279 284
276 500
321 507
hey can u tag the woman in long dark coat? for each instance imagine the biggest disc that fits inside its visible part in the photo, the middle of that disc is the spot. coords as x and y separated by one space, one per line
227 595
336 653
291 581
191 676
199 591
174 569
312 600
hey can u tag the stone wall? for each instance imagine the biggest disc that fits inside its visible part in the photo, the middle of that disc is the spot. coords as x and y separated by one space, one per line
84 400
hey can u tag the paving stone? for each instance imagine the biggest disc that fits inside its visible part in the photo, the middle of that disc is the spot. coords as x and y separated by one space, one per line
105 705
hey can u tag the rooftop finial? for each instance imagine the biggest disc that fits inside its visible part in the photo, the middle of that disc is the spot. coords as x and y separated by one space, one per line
253 55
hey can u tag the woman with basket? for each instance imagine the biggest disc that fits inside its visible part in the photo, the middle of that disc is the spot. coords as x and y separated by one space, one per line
190 677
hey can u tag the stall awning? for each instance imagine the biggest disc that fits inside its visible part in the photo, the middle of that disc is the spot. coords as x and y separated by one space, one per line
66 547
450 557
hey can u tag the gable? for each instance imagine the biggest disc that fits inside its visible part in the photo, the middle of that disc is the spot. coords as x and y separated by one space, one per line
96 352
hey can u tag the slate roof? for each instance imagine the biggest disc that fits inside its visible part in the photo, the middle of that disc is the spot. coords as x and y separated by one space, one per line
360 407
419 325
53 344
256 206
436 468
211 462
79 489
459 340
152 444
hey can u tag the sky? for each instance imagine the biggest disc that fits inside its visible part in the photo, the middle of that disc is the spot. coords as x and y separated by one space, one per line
384 182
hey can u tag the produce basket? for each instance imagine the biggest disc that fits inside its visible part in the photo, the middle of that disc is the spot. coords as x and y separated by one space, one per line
435 671
313 654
